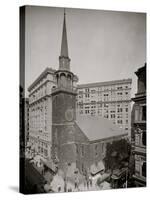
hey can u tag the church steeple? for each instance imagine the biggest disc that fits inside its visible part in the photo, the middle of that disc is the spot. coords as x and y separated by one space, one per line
63 108
64 44
64 60
64 77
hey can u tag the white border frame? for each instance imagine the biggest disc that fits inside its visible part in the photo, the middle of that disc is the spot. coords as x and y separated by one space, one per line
9 101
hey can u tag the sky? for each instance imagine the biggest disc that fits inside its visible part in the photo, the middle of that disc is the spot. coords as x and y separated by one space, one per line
103 45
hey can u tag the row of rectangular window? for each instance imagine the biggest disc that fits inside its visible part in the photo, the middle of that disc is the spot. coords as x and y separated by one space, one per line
119 110
103 88
104 95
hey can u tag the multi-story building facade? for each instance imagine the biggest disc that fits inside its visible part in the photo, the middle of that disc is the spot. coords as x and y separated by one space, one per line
139 129
111 100
26 120
40 113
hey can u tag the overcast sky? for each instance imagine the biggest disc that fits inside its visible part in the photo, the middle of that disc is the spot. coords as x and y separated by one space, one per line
103 45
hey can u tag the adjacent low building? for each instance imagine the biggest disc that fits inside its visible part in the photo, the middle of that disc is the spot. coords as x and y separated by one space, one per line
99 133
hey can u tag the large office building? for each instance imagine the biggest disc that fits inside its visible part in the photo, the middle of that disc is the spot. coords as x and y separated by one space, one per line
139 129
110 100
40 113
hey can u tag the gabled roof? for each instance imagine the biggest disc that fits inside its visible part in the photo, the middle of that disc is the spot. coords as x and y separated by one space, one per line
97 128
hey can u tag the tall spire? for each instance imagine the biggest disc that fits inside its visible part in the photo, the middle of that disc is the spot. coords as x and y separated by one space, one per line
64 44
64 61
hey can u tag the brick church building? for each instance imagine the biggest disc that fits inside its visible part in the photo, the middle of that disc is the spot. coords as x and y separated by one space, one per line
75 139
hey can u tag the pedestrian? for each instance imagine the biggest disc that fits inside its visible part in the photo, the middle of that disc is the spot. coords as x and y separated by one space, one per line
84 183
59 189
90 182
75 185
87 184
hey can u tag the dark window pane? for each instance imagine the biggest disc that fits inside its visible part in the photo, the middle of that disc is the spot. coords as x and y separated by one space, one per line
144 113
144 138
144 169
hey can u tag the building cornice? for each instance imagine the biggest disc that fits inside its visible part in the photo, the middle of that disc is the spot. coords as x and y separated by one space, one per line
63 90
106 83
39 99
140 70
139 97
41 86
41 76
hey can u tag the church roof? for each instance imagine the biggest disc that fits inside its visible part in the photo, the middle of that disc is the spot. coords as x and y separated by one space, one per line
97 128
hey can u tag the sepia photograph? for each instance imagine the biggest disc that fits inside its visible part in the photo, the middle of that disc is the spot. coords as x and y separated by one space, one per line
82 99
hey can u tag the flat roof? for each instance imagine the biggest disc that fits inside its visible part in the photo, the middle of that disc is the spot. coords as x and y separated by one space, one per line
106 83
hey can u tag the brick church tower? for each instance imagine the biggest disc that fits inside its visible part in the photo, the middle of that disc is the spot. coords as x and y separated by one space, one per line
63 109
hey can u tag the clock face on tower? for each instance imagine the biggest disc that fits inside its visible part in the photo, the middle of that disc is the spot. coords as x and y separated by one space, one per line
69 114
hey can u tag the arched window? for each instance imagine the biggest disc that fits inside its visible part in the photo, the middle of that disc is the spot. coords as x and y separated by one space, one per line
69 80
63 80
57 79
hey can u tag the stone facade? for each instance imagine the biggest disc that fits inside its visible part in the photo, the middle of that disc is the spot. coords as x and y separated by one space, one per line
111 100
26 120
40 113
139 129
